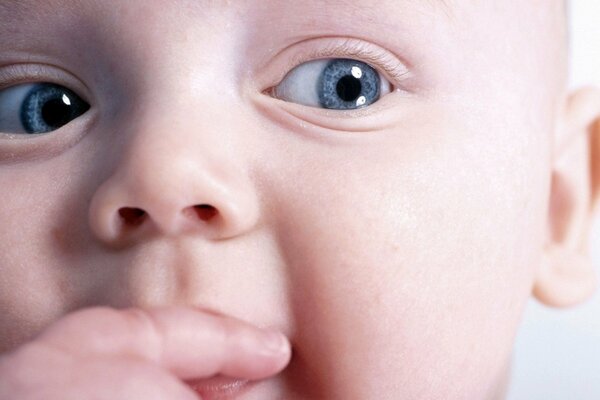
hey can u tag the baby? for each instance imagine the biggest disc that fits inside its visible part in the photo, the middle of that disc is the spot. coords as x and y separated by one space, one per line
267 200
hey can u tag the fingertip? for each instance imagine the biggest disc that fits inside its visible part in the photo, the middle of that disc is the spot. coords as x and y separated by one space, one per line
275 343
261 357
279 349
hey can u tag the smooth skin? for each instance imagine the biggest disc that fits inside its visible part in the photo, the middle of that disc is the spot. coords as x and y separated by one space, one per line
394 246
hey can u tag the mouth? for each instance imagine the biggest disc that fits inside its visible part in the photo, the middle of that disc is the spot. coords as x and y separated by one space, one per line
220 388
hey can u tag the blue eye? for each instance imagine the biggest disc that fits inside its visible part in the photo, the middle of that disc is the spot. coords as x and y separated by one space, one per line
38 108
336 84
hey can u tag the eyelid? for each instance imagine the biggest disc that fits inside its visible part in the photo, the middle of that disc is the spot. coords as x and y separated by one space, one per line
270 72
17 148
391 66
22 73
364 51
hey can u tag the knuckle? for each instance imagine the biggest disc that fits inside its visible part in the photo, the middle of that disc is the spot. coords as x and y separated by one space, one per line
228 331
148 329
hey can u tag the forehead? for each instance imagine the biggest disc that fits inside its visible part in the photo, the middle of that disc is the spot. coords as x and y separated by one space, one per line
32 5
388 16
362 12
381 17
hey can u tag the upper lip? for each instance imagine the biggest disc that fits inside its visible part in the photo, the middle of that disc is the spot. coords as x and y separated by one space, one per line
219 387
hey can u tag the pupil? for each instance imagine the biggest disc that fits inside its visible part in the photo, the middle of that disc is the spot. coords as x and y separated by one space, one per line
56 113
349 88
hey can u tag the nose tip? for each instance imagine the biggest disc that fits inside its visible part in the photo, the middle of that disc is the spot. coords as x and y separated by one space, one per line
123 210
172 175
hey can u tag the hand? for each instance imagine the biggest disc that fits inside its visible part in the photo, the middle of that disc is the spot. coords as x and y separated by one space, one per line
103 353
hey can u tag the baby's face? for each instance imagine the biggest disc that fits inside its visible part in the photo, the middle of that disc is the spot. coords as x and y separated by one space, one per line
388 217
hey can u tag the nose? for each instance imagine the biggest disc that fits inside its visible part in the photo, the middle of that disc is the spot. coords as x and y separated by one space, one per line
165 184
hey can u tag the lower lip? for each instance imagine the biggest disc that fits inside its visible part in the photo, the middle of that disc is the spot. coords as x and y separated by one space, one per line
220 388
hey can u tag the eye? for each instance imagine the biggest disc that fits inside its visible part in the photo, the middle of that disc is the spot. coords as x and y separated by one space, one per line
36 108
336 84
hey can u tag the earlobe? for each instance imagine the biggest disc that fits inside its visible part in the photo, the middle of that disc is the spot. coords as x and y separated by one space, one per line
595 165
565 278
566 275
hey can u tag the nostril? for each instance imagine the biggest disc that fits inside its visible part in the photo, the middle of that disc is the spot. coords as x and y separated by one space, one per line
132 216
205 212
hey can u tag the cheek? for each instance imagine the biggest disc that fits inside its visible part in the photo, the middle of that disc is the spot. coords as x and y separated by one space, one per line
407 260
26 213
44 240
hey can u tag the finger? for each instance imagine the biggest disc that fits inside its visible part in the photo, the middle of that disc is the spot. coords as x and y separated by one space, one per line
37 368
189 343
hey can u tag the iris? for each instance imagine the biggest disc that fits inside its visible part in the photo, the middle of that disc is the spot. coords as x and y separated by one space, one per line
48 107
348 84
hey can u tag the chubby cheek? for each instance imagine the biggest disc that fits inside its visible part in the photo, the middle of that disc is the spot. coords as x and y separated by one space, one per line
25 288
44 244
410 264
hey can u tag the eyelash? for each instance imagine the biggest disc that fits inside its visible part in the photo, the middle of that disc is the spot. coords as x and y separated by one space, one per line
21 73
395 70
16 74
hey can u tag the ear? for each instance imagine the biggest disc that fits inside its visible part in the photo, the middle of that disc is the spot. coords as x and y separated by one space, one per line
566 276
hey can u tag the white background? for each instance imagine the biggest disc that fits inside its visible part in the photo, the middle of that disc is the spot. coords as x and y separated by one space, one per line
557 353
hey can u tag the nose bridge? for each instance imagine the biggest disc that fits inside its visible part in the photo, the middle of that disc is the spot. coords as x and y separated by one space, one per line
181 170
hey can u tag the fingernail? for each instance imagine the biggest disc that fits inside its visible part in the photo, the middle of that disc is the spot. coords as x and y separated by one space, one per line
275 342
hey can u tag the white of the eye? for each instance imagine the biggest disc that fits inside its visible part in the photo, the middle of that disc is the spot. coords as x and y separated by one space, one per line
386 87
301 84
11 100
